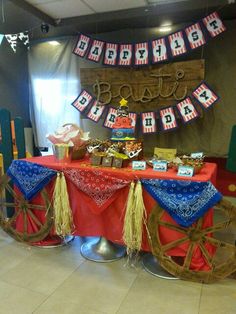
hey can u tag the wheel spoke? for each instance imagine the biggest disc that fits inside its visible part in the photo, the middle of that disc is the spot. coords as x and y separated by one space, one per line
38 207
199 223
174 244
13 218
219 243
5 204
205 253
25 222
173 227
32 215
217 227
13 193
188 257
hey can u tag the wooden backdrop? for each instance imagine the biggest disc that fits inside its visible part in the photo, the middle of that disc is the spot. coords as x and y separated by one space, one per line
146 88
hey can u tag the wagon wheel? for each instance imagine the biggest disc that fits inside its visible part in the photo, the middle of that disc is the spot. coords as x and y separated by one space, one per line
222 259
26 211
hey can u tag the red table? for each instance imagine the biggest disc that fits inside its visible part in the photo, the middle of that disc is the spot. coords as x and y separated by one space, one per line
109 222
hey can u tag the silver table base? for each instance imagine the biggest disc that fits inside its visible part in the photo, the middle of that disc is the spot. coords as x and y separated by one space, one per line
102 250
152 266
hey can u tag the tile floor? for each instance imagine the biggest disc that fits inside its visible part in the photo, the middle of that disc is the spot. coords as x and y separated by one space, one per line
60 281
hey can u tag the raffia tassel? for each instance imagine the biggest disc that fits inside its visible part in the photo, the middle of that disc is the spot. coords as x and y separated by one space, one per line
139 216
128 221
63 220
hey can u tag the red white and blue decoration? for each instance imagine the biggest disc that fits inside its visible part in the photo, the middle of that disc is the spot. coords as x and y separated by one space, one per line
82 101
159 50
111 52
205 95
148 121
141 54
96 111
96 50
214 24
154 51
168 119
187 110
125 55
110 118
82 45
177 44
195 36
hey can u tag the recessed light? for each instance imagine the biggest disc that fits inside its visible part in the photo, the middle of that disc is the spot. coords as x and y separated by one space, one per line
164 29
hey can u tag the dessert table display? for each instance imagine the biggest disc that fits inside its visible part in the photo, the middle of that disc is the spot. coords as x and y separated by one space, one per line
175 213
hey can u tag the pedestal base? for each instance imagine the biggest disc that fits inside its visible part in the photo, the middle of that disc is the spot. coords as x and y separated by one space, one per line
102 250
151 265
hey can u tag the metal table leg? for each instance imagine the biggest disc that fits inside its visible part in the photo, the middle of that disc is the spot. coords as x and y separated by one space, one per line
151 265
102 250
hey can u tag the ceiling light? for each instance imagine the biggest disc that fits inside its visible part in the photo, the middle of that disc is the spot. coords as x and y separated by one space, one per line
54 43
165 29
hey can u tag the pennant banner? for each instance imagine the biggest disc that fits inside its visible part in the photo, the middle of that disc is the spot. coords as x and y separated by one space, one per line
82 101
96 50
110 118
148 122
159 50
214 24
139 54
177 44
205 96
1 38
125 56
168 119
195 36
82 45
24 38
12 39
187 110
111 52
96 111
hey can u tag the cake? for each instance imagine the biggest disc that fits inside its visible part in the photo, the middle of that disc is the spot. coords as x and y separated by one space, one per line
122 128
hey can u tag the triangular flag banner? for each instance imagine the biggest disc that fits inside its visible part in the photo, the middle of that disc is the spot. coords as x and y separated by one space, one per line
214 24
148 122
205 96
95 111
82 101
195 36
187 110
168 119
96 50
125 55
111 52
1 38
141 54
24 37
12 40
82 45
110 118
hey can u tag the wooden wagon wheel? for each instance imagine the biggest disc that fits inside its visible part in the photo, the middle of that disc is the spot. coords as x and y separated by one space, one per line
26 211
222 261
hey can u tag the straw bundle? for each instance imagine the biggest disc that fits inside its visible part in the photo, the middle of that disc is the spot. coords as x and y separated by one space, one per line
63 220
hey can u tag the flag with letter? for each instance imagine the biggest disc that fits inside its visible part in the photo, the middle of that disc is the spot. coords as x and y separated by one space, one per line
96 111
187 110
82 45
82 101
205 96
213 24
168 119
148 122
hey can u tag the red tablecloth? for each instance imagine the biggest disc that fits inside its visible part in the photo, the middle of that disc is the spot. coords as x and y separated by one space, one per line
109 222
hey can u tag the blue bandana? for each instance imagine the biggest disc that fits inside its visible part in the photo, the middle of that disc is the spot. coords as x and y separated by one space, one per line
29 177
185 201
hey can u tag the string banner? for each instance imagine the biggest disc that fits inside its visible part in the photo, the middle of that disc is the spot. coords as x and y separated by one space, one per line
82 101
168 119
151 52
